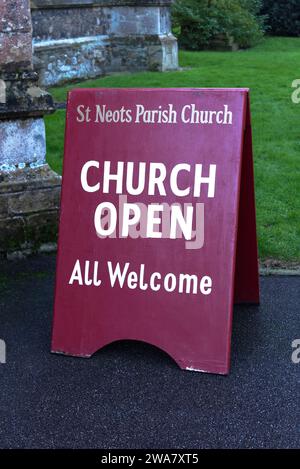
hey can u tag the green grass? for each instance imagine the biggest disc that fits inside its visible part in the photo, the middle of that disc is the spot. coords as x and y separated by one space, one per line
268 70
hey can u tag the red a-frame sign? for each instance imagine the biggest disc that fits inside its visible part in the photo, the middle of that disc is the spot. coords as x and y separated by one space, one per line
157 232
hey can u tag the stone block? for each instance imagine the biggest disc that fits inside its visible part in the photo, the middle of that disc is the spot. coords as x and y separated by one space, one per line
81 39
67 24
12 234
77 60
169 53
22 141
32 201
3 206
29 207
127 21
37 4
20 96
15 50
15 16
28 179
42 228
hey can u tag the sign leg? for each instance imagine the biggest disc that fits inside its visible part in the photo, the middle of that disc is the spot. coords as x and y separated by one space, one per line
246 271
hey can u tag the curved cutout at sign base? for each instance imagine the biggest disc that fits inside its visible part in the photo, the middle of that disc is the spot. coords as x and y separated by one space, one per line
101 347
182 364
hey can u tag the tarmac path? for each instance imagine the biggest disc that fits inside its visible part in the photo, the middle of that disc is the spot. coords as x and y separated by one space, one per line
131 395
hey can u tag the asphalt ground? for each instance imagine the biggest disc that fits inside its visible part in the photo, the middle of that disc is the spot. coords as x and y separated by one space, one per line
132 395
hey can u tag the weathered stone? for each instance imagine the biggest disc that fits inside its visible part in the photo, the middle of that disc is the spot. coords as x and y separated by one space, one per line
2 92
21 96
163 55
53 24
63 24
15 35
73 3
169 53
12 233
34 201
74 61
17 77
83 39
28 179
47 248
22 142
3 206
29 208
15 49
18 255
15 16
42 228
23 190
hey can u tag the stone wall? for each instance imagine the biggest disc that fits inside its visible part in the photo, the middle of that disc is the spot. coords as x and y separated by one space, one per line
15 35
29 207
79 39
29 190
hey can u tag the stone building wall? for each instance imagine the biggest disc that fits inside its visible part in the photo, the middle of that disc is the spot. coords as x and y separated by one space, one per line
78 39
29 190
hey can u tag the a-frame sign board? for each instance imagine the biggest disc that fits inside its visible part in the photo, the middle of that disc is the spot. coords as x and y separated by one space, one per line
157 231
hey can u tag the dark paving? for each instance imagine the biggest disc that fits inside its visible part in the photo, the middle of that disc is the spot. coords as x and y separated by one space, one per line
131 395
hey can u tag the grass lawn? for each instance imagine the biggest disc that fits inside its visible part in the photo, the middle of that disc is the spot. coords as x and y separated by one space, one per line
268 70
